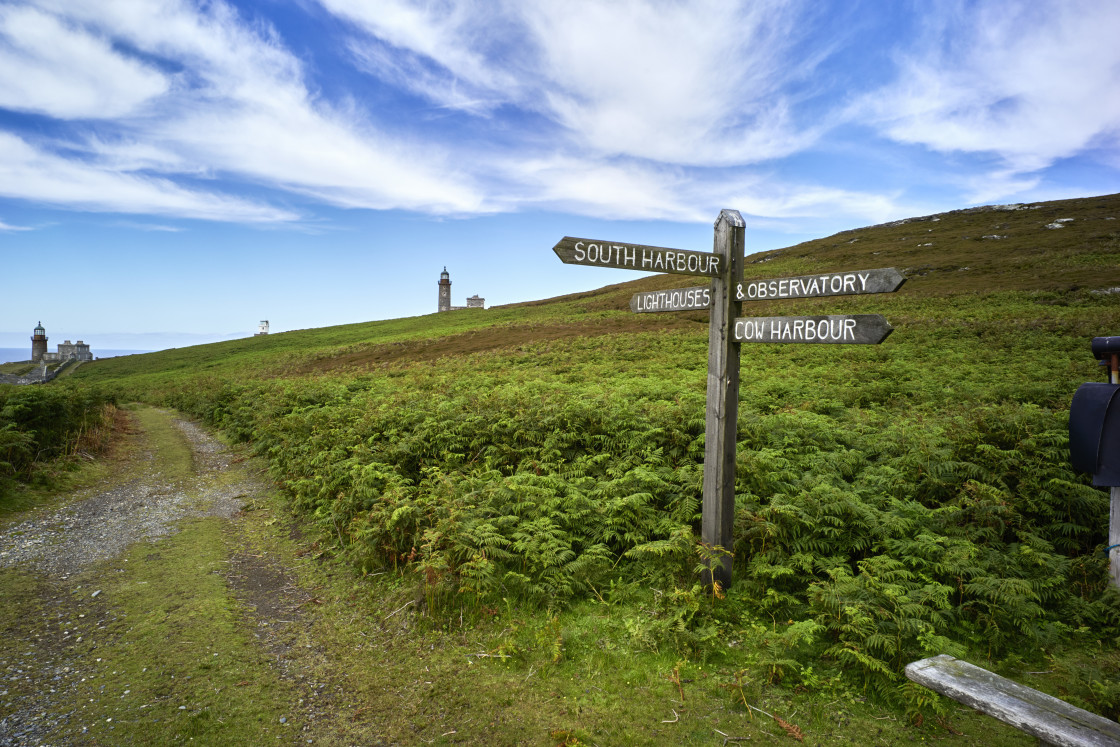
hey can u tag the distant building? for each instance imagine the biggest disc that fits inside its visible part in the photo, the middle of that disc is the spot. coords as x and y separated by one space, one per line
262 328
38 343
67 351
474 302
444 291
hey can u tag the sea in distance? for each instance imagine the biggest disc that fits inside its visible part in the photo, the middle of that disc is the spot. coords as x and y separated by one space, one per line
9 355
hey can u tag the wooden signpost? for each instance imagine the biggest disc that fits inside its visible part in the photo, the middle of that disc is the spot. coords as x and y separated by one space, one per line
726 330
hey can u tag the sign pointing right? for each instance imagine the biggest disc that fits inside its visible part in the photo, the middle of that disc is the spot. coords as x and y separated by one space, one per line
831 329
886 280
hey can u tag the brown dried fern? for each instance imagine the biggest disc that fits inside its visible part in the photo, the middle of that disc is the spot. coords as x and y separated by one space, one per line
791 729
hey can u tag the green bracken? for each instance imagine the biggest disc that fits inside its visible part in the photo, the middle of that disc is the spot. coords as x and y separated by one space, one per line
892 502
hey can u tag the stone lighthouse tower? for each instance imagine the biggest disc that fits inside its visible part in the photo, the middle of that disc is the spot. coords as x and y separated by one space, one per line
38 344
444 294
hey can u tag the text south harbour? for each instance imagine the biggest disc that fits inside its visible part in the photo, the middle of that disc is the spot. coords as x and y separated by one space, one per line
647 258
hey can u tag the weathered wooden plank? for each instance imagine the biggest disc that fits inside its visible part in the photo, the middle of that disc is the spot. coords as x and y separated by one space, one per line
829 329
722 411
1114 536
675 299
885 280
1048 718
599 253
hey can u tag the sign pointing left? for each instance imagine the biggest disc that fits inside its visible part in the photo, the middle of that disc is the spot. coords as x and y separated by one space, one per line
598 253
676 299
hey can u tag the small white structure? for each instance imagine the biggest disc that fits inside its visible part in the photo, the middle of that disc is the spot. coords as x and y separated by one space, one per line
262 328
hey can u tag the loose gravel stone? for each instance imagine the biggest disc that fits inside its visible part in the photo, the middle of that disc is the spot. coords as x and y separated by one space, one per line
95 525
101 525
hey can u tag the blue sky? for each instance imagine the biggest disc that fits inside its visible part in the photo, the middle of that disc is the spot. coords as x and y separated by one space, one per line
174 171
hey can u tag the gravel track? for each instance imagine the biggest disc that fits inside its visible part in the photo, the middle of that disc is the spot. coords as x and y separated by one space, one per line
95 525
100 525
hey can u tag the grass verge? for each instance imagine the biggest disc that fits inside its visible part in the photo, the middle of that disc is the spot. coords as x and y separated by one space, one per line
529 675
247 632
176 664
97 457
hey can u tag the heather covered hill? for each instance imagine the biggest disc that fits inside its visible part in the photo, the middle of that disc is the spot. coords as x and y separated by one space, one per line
1051 253
892 501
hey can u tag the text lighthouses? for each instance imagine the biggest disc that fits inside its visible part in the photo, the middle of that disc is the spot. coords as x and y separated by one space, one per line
38 344
444 292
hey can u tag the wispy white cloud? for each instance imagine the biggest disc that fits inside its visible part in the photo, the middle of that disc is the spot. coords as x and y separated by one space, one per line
612 108
790 200
696 84
1000 184
30 173
600 188
325 157
64 71
240 108
158 227
1030 84
459 54
115 154
652 105
684 83
632 95
409 71
629 189
9 227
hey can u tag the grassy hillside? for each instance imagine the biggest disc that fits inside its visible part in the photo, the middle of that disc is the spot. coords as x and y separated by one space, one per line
892 501
1006 250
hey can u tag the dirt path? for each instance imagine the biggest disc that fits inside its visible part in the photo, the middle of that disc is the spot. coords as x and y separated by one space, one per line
180 603
100 523
55 563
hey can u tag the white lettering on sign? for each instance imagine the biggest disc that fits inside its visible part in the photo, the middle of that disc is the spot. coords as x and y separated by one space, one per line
749 329
665 260
815 285
681 299
885 280
637 257
797 330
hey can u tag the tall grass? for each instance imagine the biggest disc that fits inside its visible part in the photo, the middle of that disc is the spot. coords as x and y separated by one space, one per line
892 501
39 424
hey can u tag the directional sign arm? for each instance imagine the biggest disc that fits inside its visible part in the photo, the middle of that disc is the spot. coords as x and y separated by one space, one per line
599 253
848 283
832 329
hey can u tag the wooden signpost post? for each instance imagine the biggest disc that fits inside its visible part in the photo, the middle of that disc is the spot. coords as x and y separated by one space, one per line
726 330
721 415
